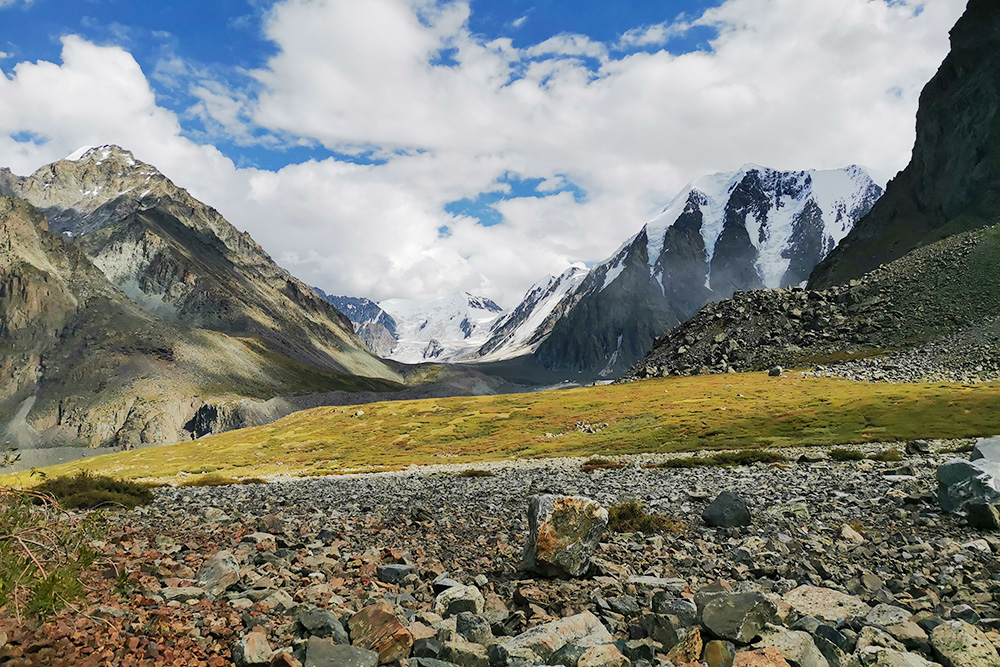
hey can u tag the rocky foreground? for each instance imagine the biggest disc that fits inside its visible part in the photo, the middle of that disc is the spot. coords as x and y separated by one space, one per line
843 563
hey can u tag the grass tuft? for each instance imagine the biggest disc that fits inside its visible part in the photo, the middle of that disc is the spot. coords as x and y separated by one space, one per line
221 480
845 454
738 458
887 456
601 463
475 472
88 491
630 516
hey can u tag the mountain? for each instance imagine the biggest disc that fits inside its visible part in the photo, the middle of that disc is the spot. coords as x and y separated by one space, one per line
374 326
182 261
749 229
442 329
133 313
952 183
521 330
931 313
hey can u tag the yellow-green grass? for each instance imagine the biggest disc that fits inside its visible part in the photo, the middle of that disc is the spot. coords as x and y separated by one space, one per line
668 415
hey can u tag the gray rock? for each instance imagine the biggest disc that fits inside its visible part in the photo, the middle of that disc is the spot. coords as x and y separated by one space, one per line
958 644
737 617
825 604
218 573
458 599
886 657
961 482
465 653
775 371
796 646
391 574
324 653
583 629
728 510
563 534
322 623
884 615
986 448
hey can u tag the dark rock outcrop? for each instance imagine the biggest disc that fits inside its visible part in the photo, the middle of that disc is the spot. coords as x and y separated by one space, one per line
952 183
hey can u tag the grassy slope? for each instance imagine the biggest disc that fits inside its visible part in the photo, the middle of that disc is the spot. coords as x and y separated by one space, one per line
675 414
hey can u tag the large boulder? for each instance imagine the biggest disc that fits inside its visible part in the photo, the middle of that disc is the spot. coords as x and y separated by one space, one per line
962 483
958 644
728 510
563 534
986 448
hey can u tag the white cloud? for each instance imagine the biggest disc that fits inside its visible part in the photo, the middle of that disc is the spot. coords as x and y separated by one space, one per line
630 130
10 3
652 35
520 20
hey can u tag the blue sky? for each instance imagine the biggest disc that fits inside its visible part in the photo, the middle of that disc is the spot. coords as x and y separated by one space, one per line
411 148
226 38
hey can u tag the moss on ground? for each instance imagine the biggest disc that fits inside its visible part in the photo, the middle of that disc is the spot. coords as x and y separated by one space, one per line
744 411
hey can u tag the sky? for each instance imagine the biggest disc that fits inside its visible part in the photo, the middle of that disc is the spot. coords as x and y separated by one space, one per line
415 148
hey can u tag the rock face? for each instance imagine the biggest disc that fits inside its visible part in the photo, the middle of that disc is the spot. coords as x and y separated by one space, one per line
738 617
563 534
144 307
953 180
374 326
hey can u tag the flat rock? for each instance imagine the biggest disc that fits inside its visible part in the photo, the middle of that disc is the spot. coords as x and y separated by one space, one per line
825 604
252 651
218 573
324 653
583 629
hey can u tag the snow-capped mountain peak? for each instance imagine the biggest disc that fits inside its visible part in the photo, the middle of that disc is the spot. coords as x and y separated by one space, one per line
440 329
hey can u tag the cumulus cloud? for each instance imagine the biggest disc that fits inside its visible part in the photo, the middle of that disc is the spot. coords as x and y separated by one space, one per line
453 114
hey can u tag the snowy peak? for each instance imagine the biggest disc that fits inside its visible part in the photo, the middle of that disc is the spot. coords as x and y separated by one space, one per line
762 212
442 329
521 330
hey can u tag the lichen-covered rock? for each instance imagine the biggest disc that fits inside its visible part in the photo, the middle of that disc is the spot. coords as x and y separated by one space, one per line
958 644
563 534
728 510
218 573
825 604
737 617
376 628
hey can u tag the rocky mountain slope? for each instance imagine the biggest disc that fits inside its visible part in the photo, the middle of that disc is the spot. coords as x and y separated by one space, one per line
183 262
753 228
148 318
374 326
952 182
945 288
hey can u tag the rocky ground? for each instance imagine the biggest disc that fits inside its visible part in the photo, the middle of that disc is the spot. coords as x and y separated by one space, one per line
896 578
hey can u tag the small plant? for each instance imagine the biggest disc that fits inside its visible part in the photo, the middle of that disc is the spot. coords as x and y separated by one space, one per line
845 454
44 553
221 480
958 449
630 516
87 491
474 472
601 463
887 456
738 458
